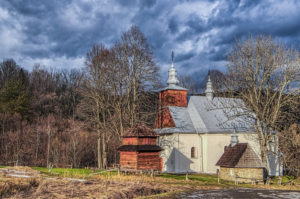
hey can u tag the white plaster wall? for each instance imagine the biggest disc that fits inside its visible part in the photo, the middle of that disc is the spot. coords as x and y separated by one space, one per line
177 151
167 142
275 165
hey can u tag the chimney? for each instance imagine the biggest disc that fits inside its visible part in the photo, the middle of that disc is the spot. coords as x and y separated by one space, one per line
234 139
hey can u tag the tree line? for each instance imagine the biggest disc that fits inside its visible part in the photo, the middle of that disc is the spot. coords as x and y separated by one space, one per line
76 117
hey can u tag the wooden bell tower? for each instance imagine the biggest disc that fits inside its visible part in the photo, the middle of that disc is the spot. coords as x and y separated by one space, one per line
172 95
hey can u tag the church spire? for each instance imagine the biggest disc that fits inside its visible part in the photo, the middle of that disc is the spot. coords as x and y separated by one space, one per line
209 90
172 80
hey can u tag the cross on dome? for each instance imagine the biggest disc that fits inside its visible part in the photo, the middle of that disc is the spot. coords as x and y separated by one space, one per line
172 80
209 89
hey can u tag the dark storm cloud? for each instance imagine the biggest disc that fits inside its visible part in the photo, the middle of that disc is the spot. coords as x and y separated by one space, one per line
173 25
185 56
200 32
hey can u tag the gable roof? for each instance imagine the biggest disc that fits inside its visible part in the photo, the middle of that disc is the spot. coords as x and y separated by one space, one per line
240 156
140 130
181 119
208 116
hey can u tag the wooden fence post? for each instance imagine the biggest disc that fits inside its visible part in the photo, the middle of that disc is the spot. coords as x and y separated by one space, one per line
186 176
280 180
218 173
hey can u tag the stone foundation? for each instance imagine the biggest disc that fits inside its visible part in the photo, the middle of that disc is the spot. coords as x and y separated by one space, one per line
246 175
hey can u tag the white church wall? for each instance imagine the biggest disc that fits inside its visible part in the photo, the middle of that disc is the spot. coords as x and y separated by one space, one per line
167 142
208 149
177 153
275 164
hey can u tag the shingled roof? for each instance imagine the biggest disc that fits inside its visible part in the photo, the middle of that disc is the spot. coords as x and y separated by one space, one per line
140 130
240 156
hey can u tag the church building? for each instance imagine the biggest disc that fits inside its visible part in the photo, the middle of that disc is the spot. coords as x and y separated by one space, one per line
194 130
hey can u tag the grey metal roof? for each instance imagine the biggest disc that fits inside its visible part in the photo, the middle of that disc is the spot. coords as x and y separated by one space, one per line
209 116
182 119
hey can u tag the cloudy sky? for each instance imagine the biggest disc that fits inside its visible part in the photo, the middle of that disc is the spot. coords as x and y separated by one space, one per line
58 33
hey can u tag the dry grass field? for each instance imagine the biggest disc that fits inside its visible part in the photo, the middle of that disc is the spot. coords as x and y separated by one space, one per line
26 182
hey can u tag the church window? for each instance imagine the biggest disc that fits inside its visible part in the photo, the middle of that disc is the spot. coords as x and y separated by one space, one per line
193 152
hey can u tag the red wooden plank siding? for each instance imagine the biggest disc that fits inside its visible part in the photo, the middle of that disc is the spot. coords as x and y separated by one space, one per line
130 141
147 141
128 160
148 161
139 150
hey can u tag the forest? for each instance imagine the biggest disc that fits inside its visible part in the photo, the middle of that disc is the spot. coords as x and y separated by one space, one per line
75 118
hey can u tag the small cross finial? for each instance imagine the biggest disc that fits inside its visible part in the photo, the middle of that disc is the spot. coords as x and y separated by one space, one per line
172 80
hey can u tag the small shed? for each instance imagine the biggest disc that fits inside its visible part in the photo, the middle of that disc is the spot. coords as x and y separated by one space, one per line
139 150
239 161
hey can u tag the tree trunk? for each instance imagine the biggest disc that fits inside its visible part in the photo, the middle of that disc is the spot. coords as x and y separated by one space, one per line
48 148
37 144
262 143
104 151
99 159
133 108
49 142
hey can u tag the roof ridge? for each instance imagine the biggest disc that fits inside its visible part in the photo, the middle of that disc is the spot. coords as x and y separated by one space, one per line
196 124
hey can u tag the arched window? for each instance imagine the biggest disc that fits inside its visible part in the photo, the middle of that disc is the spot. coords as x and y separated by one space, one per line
193 152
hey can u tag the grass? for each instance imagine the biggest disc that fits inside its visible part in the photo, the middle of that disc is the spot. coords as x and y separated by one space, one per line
285 180
195 180
68 172
198 177
109 182
211 181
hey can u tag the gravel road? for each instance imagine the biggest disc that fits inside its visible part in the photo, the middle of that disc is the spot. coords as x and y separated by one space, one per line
241 193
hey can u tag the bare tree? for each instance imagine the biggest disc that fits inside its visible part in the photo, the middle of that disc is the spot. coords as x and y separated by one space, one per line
260 71
117 88
141 72
48 128
187 82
